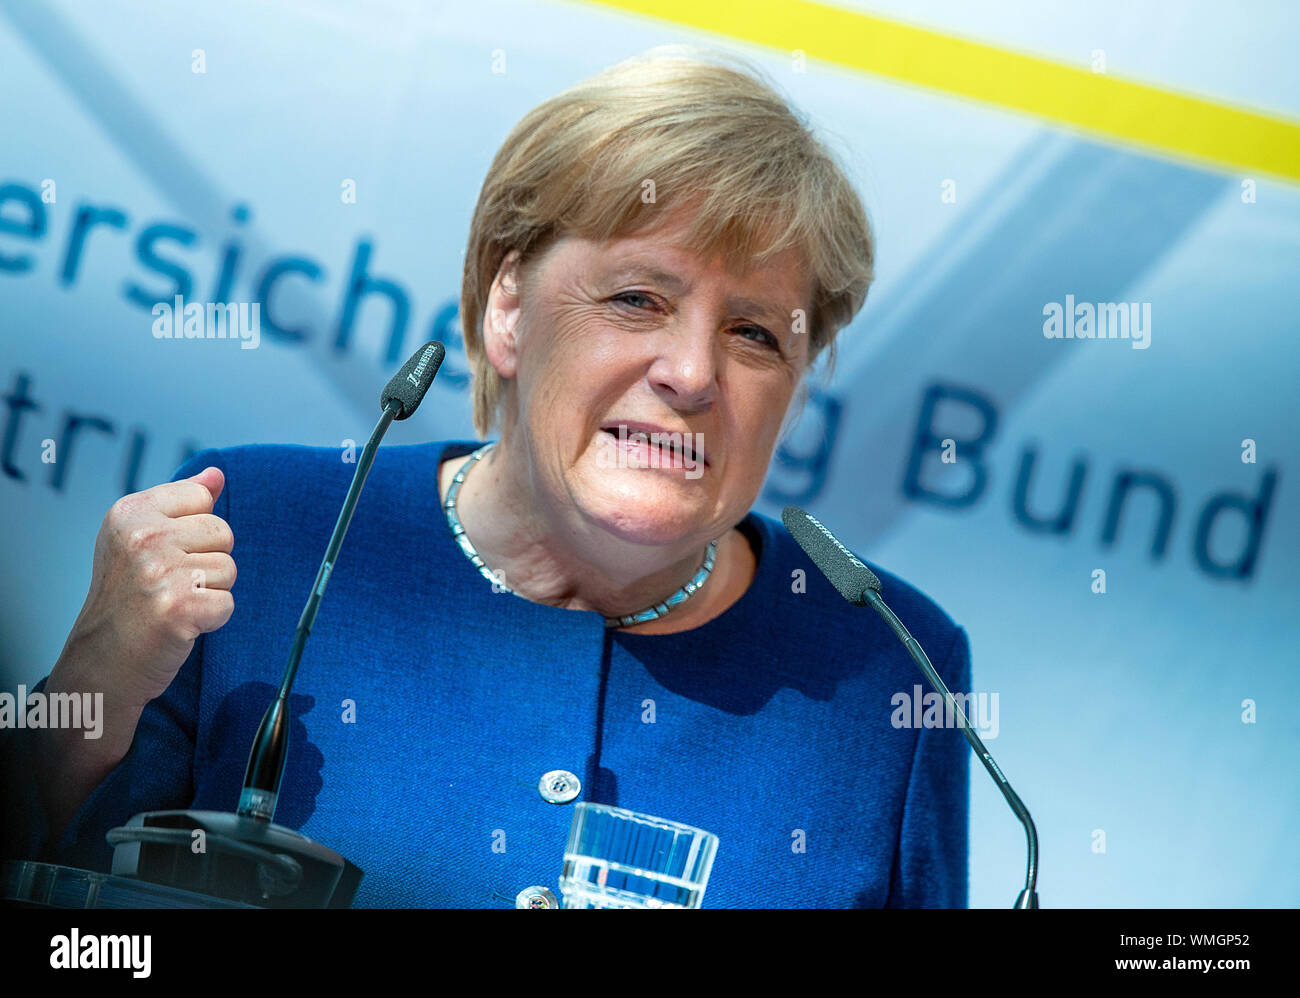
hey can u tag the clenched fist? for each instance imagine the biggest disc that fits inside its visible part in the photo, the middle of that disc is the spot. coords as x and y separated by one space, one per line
161 577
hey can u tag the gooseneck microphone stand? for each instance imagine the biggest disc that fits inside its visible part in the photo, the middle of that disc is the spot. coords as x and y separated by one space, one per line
271 745
859 585
1028 897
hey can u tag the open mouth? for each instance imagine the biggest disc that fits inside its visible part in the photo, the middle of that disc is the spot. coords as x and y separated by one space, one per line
677 448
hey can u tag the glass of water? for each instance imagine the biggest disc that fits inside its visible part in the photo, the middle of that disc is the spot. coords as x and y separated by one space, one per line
617 858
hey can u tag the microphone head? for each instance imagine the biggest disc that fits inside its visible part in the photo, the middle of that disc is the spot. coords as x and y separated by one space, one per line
846 573
408 386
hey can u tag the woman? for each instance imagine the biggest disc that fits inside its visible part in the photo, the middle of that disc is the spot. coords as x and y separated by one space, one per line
658 257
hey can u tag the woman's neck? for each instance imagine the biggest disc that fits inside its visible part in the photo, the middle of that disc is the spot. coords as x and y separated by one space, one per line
604 574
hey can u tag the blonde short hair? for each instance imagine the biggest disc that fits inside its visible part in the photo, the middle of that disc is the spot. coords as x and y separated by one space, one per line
707 129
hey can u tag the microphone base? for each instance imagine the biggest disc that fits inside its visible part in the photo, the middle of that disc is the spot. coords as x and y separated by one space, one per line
31 884
230 856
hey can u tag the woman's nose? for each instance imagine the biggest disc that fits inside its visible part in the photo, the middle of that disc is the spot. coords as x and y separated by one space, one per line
686 367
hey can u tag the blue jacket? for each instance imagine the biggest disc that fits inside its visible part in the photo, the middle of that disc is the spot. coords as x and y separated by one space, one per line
427 707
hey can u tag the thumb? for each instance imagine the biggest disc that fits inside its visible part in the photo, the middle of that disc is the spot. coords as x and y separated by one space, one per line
212 479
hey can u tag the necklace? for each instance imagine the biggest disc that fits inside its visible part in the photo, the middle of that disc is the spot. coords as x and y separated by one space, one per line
626 620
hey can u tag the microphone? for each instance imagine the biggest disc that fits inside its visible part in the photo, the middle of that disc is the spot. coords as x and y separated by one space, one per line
399 400
408 385
859 585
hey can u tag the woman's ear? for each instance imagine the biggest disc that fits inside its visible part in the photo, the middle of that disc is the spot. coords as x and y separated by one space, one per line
501 317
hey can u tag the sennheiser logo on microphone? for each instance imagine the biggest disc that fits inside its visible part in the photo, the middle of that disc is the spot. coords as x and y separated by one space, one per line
416 376
831 537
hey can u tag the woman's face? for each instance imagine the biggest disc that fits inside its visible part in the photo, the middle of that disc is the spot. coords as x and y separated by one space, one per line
641 334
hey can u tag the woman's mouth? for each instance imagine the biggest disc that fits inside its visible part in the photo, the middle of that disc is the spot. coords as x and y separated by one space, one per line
655 448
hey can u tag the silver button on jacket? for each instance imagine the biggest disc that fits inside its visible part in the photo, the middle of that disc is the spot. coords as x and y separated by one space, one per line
536 897
559 786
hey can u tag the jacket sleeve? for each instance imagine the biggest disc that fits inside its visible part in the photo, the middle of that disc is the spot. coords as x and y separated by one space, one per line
155 774
931 863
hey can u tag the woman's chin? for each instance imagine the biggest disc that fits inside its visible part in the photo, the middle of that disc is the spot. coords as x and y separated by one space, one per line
642 514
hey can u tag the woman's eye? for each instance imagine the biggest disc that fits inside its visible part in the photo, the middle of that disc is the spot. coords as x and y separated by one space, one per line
764 336
636 299
641 301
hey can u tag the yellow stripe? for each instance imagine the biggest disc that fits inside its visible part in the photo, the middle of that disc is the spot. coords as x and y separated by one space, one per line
1209 133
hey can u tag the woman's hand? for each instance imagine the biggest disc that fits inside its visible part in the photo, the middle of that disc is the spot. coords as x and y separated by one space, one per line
162 575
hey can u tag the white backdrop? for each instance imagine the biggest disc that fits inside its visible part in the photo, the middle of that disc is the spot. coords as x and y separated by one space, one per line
1121 713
